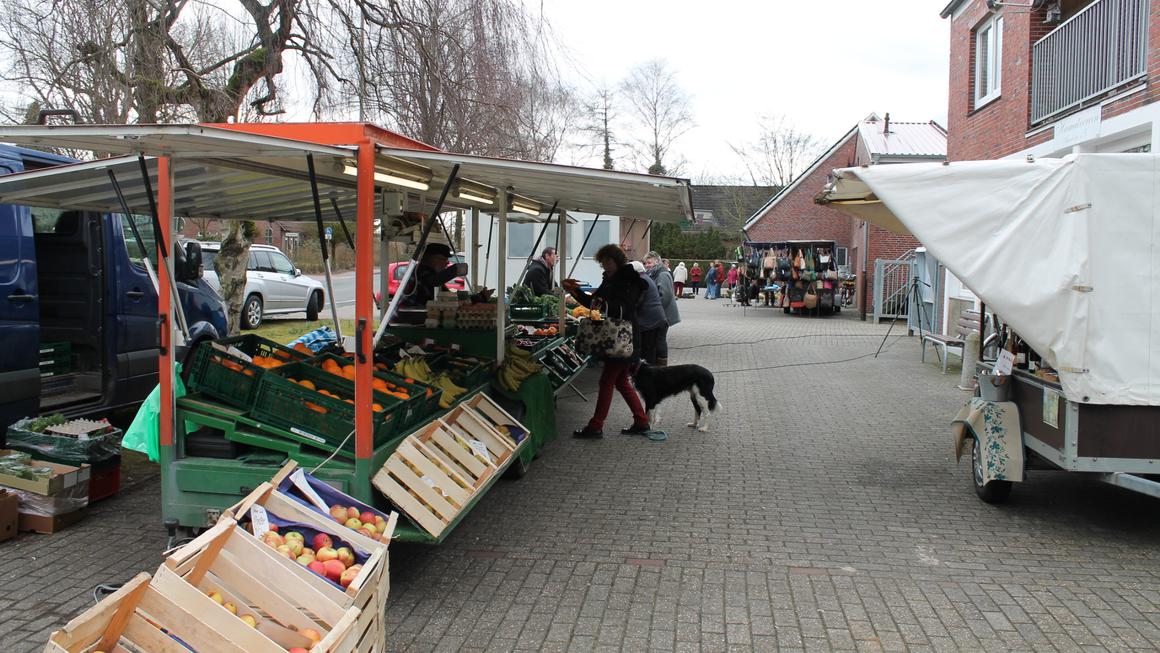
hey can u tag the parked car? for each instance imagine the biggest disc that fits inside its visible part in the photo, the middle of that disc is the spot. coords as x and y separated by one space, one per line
78 312
396 272
273 285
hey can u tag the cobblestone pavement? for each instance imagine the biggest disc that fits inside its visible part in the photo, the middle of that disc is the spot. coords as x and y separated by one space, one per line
824 511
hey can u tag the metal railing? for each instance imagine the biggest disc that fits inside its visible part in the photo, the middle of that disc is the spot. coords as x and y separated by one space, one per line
1103 46
892 286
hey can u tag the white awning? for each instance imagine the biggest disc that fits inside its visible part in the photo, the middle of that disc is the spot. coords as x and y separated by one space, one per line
1063 249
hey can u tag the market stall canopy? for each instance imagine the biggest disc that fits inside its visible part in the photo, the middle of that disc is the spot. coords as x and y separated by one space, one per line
261 177
1064 250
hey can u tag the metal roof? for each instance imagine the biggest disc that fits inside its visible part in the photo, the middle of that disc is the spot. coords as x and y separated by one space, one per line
233 174
905 139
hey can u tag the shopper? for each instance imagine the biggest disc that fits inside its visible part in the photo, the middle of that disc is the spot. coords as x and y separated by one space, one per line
620 292
666 287
695 277
711 282
680 276
650 316
732 278
539 275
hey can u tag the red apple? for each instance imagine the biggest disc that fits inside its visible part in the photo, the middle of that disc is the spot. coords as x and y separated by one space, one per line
295 546
274 527
326 553
345 556
273 539
334 569
366 531
321 541
297 649
367 517
285 550
338 512
348 577
352 513
317 567
307 552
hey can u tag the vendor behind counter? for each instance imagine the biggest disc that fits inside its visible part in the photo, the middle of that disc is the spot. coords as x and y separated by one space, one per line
433 272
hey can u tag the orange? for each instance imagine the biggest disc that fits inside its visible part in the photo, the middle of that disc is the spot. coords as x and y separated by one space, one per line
283 354
348 372
302 348
248 372
380 385
306 383
378 408
316 408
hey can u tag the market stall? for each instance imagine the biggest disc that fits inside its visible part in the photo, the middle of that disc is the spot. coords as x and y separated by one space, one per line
1061 250
799 276
459 394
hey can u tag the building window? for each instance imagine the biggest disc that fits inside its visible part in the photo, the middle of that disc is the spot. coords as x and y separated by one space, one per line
841 257
269 235
522 236
601 236
988 60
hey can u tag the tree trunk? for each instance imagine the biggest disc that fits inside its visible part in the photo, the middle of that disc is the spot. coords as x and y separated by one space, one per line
230 264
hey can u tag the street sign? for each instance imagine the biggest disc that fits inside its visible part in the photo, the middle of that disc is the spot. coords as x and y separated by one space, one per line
329 233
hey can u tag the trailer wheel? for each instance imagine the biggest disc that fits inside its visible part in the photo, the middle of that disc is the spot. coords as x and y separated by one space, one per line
992 492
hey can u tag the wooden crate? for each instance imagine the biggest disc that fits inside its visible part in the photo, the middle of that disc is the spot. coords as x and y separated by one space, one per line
499 419
369 590
139 618
282 594
435 473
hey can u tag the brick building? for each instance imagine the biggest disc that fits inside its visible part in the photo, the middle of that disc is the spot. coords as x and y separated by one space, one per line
1046 80
792 214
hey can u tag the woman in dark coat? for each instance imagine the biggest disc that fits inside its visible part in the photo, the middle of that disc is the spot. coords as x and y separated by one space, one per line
619 293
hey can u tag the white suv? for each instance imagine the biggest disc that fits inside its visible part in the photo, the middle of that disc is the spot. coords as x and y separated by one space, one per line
273 285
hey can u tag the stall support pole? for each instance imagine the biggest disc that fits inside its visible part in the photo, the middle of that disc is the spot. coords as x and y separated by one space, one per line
167 423
474 272
561 263
501 305
364 315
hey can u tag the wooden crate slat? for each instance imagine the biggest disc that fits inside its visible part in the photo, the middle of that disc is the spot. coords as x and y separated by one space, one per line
409 454
146 637
310 590
459 434
183 623
404 501
125 610
215 617
90 625
493 411
486 431
270 604
439 505
444 462
452 448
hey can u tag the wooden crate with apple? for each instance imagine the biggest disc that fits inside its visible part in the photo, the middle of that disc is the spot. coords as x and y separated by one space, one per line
367 589
138 617
259 599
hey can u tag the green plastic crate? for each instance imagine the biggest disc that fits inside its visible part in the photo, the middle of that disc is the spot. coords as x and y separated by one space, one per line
235 387
527 312
466 372
417 409
282 403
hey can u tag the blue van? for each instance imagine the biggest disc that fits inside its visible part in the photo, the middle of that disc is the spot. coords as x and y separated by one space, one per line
78 312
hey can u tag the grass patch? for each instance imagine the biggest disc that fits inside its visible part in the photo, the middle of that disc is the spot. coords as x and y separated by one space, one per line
284 331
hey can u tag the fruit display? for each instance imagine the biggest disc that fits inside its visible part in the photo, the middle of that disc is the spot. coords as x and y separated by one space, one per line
562 363
517 366
582 311
476 316
549 332
338 565
366 522
229 368
415 368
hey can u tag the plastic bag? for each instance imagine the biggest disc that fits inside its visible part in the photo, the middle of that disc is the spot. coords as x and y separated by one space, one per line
67 450
69 500
143 434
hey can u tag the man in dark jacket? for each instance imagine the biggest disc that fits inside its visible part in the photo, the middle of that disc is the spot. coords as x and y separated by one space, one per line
432 272
539 276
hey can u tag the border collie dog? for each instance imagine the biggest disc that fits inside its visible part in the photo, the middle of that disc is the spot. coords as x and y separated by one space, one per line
655 384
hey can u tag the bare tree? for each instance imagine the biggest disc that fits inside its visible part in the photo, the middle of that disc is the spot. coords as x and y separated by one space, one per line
660 109
597 129
779 154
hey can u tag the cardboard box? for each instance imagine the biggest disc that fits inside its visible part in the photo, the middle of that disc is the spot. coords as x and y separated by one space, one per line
48 525
62 478
9 515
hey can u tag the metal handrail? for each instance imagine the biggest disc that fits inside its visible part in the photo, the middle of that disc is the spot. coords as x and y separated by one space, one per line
1103 46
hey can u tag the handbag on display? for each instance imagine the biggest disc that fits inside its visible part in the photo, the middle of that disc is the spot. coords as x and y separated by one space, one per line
811 297
607 339
831 275
824 258
810 259
799 261
769 262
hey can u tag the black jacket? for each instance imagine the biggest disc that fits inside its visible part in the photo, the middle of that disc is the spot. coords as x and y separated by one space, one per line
424 282
539 278
619 293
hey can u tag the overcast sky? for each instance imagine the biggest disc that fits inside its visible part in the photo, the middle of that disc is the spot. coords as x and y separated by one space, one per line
825 65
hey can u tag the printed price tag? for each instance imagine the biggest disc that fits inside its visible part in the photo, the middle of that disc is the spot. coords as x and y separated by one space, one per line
300 482
1005 362
259 520
480 449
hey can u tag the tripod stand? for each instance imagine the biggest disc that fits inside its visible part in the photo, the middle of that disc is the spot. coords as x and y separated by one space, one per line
912 297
